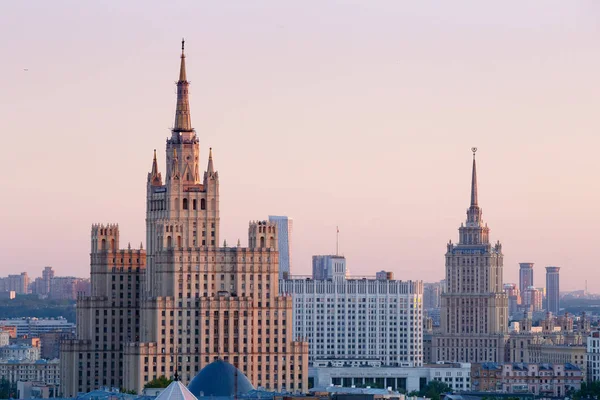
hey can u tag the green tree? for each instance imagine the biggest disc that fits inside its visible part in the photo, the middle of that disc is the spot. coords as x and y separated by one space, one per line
8 390
160 382
434 389
588 389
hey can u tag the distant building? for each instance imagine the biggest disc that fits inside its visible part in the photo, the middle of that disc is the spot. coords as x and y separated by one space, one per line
37 326
50 343
533 299
9 295
514 297
545 379
593 357
17 283
69 287
19 352
525 276
4 338
474 312
284 227
44 371
403 379
553 289
329 267
432 295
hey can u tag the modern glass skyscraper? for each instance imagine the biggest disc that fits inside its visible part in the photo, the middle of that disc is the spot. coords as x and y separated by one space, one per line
553 289
284 227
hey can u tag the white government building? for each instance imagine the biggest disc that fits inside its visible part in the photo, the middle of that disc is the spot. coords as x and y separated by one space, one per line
364 319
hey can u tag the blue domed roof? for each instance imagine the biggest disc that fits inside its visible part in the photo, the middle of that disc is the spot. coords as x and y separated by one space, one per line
217 379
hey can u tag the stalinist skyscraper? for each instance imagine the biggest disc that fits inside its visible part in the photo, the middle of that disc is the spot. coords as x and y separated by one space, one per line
185 301
474 317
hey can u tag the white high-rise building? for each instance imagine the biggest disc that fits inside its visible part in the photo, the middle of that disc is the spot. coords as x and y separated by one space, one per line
593 357
361 320
284 243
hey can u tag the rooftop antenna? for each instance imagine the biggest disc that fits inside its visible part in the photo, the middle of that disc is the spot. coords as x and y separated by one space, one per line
337 241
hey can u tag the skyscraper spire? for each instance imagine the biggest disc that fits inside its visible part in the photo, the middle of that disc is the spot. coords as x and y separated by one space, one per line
474 180
183 120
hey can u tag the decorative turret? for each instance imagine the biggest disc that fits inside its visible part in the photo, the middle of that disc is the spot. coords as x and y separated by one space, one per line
154 177
210 169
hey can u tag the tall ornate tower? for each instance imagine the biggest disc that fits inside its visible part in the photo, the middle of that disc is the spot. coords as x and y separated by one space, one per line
204 302
182 212
474 317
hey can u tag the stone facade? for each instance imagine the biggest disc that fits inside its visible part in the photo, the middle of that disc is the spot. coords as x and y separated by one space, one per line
474 316
184 302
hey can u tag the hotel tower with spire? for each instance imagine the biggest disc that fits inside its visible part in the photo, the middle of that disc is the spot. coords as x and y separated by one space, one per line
474 316
185 301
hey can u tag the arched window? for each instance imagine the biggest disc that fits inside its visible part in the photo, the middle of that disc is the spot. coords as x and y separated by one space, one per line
202 204
169 242
179 241
272 242
185 204
262 241
112 244
194 204
176 204
103 245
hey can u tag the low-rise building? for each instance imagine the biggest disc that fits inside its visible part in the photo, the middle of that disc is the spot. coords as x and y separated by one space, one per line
593 357
553 380
44 371
402 379
19 352
486 377
35 326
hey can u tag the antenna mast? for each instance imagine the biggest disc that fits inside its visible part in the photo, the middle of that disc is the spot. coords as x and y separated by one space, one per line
337 241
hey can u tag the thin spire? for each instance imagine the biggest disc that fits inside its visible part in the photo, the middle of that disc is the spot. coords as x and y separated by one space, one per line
210 168
154 165
182 76
155 177
183 120
474 201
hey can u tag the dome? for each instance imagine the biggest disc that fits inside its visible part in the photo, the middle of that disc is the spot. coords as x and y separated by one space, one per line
217 379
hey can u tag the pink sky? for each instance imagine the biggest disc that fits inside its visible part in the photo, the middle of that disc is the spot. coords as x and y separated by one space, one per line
357 113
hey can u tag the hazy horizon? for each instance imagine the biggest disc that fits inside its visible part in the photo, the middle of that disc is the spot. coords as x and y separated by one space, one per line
332 113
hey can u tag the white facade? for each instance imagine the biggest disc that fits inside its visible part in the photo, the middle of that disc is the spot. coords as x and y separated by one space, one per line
19 352
593 357
34 326
456 375
369 319
47 372
4 338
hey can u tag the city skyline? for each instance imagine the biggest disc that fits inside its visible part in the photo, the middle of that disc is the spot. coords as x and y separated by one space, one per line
268 93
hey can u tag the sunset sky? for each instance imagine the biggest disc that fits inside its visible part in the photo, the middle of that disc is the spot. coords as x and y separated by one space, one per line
357 114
